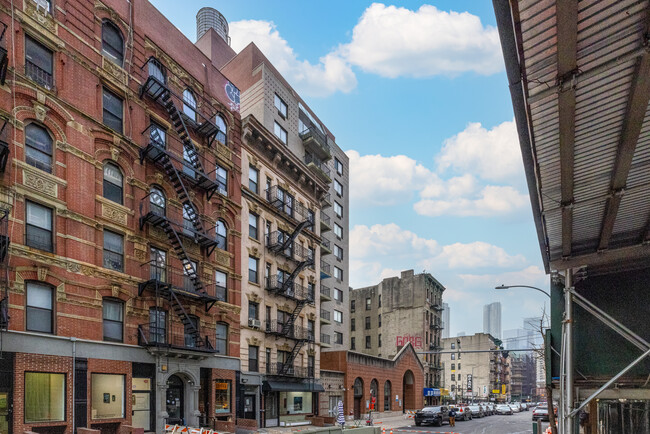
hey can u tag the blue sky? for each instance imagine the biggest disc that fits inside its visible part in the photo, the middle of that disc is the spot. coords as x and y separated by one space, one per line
416 94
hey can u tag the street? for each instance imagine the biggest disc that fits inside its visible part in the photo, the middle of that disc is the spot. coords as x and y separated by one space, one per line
519 423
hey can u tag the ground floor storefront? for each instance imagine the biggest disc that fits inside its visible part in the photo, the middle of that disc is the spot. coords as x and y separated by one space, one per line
52 385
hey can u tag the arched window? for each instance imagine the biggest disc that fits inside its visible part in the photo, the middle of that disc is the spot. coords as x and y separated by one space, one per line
358 387
156 70
38 147
221 124
112 42
157 200
387 394
221 346
221 235
189 104
113 183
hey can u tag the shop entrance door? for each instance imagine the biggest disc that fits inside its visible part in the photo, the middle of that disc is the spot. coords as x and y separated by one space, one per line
271 409
175 402
5 412
249 407
141 403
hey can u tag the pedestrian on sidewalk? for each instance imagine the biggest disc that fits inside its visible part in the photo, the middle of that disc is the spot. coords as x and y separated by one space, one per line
452 417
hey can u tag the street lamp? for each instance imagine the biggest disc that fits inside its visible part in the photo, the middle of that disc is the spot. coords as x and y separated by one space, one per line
523 286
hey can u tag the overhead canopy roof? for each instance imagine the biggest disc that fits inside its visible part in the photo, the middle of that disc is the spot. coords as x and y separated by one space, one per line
579 76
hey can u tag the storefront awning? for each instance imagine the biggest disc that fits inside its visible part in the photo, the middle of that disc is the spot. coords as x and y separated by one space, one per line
291 386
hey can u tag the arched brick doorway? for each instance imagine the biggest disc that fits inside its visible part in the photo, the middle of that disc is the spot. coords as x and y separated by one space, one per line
374 393
358 397
408 389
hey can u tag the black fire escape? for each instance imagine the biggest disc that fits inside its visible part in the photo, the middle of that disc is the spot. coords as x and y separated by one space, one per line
163 281
4 269
4 144
283 243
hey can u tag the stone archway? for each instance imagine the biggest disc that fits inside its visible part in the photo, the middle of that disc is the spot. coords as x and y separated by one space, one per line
358 397
183 386
408 390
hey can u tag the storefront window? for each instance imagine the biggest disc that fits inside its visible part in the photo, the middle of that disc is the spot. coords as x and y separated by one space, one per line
107 396
295 402
44 397
222 396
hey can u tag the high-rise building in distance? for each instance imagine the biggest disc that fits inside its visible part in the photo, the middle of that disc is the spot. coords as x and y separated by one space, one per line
492 319
445 320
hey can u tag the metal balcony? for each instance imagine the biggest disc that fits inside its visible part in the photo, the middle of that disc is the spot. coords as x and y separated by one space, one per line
291 290
325 223
325 340
326 200
173 337
315 141
167 278
296 332
325 247
437 306
287 205
280 369
319 167
295 252
325 316
325 270
325 293
435 326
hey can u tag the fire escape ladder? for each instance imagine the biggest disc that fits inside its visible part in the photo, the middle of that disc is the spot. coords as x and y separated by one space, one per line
4 145
190 329
287 328
4 269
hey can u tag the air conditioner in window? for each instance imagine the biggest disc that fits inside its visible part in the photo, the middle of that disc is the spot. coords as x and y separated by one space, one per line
254 323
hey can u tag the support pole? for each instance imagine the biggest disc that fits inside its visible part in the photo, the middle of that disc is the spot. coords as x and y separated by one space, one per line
568 358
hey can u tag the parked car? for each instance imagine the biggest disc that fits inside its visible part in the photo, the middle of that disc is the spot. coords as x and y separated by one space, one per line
526 405
514 407
488 409
504 409
540 413
463 412
432 415
477 411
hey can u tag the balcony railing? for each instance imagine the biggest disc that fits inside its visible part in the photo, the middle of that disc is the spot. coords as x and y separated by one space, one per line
324 242
325 338
326 200
295 332
39 75
315 140
290 290
325 222
317 162
173 336
295 251
288 205
325 268
325 314
279 368
166 277
325 292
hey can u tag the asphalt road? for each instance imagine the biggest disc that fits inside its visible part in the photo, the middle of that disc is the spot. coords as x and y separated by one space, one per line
518 423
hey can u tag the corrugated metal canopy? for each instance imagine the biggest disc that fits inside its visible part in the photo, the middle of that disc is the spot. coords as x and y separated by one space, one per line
579 74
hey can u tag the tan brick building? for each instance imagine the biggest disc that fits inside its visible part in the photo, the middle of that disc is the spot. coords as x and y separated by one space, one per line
121 197
400 310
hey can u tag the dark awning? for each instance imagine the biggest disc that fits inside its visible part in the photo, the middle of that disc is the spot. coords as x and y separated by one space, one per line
292 386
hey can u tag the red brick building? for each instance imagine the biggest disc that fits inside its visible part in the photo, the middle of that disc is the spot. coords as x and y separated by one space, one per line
120 190
395 385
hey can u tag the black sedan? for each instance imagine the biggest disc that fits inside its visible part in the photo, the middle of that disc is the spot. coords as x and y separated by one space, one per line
432 415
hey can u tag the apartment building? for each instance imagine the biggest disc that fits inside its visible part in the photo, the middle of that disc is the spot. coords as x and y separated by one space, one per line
121 222
475 376
398 310
286 183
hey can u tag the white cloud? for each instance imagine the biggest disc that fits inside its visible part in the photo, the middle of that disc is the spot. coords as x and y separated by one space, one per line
379 180
394 41
492 155
475 255
492 200
531 275
388 240
330 75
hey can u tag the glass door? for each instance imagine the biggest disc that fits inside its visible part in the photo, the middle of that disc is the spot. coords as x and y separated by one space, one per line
141 403
174 400
271 409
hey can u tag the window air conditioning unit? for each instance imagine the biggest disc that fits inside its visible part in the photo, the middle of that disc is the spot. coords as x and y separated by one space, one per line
254 323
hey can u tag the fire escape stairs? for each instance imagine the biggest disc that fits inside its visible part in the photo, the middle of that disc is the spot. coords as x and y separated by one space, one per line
4 58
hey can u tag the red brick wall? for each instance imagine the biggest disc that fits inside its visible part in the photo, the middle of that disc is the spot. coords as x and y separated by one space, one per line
337 361
39 363
101 366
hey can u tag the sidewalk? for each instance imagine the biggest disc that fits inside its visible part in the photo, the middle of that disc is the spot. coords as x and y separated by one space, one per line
380 421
